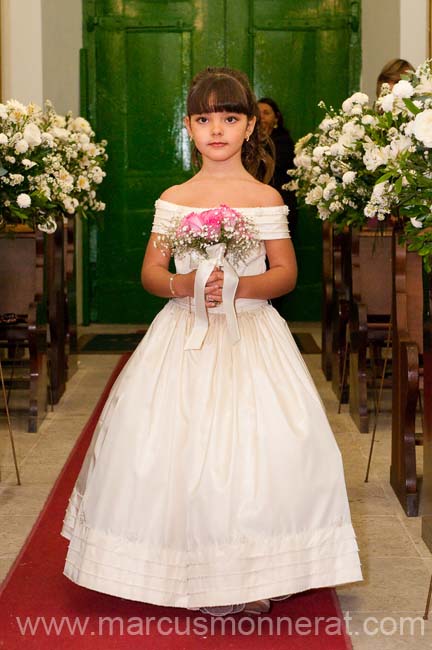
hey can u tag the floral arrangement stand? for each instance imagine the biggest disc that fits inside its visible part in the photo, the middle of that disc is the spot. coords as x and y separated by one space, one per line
327 299
55 293
23 329
407 376
341 286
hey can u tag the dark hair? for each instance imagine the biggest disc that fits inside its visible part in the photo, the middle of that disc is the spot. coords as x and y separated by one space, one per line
391 72
276 110
214 90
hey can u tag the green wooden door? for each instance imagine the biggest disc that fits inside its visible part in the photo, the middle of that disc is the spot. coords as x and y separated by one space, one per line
139 58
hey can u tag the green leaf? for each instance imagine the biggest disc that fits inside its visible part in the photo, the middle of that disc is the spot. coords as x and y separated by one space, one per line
411 106
398 185
384 178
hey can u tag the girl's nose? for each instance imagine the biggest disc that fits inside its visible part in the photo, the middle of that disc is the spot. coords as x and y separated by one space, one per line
216 127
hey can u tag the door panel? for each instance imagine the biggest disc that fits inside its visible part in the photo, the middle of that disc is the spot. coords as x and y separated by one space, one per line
141 57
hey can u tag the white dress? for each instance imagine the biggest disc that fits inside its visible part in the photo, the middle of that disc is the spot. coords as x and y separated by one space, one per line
213 476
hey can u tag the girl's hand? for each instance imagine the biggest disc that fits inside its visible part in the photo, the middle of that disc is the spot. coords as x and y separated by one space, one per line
213 288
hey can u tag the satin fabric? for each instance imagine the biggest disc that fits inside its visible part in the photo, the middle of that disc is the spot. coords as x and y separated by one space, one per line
213 477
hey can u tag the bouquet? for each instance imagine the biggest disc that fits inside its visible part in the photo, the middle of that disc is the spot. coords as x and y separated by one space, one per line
197 231
218 237
48 163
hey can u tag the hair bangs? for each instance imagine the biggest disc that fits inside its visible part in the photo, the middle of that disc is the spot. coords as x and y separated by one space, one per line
219 94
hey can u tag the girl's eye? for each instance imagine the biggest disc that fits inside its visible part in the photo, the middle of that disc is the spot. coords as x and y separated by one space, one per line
231 119
202 119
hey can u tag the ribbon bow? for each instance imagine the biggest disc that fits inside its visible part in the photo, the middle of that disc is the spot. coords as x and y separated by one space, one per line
215 257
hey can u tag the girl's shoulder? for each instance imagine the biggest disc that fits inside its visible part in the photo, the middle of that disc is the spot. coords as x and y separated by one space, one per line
263 195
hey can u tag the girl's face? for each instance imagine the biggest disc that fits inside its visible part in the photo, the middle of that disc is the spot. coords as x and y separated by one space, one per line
268 117
219 136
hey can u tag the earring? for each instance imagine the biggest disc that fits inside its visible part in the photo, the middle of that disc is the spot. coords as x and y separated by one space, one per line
190 138
247 137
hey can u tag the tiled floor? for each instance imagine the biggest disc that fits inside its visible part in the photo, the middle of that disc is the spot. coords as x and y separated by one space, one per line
397 565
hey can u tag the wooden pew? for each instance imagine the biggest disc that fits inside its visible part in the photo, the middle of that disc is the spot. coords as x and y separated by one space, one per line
426 495
407 351
21 293
369 313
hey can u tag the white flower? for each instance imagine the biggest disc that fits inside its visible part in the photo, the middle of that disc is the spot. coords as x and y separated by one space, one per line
3 138
83 183
21 146
349 105
303 160
49 226
314 195
425 86
416 223
318 153
23 200
329 189
402 89
16 179
60 133
28 164
348 178
399 144
353 130
300 144
369 120
3 112
80 124
422 127
375 156
387 102
328 123
32 135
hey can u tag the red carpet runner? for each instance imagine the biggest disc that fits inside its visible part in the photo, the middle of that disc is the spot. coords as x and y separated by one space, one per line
42 609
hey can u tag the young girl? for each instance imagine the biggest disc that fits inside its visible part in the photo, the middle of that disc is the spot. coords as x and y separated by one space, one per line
213 481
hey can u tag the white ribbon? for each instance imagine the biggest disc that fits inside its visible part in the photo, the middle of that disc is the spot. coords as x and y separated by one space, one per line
215 257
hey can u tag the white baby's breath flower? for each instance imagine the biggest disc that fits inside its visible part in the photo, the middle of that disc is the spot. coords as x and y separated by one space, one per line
3 138
23 201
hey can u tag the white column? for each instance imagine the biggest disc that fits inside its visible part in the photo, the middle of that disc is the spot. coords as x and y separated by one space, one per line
21 50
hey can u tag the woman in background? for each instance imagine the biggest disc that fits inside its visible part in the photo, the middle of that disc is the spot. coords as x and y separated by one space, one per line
272 123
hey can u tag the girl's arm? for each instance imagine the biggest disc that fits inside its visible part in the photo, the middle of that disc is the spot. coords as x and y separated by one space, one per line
281 277
156 278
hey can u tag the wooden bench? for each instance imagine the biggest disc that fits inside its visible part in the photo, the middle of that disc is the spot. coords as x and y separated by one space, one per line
21 294
407 373
369 314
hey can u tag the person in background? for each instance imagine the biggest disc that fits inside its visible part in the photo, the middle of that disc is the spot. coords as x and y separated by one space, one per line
272 123
392 72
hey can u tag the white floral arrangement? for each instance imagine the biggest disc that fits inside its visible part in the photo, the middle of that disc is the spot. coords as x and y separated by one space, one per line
368 164
336 170
49 163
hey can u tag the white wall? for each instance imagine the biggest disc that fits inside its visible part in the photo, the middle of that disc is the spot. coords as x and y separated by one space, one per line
21 50
392 29
62 40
